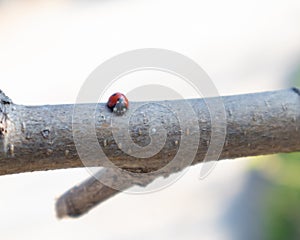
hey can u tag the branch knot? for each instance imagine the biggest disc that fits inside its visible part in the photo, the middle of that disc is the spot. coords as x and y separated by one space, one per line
5 101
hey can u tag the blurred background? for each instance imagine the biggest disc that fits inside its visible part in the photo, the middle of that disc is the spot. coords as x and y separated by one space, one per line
48 49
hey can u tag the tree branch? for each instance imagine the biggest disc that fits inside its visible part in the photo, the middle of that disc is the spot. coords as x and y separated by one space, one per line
260 114
35 138
40 137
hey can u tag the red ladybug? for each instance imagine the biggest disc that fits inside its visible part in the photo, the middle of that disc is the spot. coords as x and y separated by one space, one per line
118 103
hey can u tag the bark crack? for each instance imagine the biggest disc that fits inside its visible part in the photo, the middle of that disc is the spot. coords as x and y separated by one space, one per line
296 90
5 102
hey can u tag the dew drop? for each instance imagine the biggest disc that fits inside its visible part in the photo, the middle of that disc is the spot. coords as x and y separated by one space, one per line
67 153
187 132
23 127
28 135
45 133
49 152
11 149
140 132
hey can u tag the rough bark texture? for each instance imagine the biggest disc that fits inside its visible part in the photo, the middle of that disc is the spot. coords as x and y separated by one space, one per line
80 199
40 137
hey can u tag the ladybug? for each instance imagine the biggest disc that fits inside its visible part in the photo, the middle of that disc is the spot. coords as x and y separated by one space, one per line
118 103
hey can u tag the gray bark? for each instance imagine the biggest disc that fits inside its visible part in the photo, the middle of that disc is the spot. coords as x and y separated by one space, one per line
35 138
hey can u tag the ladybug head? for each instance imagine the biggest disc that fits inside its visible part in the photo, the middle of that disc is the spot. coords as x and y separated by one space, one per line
120 107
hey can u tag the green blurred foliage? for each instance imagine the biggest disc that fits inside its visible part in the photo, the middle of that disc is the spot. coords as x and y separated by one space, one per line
282 199
282 213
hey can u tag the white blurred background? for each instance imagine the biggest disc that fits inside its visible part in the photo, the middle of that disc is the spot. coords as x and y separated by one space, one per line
48 49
